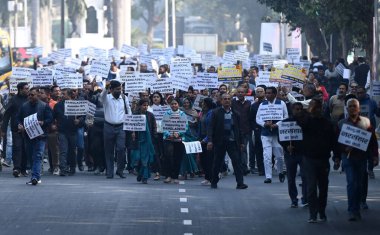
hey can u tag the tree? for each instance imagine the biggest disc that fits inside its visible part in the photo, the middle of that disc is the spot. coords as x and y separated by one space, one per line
76 10
4 14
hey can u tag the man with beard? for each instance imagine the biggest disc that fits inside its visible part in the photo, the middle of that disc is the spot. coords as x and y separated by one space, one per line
115 106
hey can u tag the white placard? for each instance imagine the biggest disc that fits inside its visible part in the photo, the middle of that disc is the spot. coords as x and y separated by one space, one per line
41 78
174 123
229 57
210 59
354 137
180 83
271 112
288 131
181 72
340 69
64 69
199 99
32 126
100 68
37 51
263 79
73 62
14 81
129 50
91 109
375 88
71 80
133 82
241 55
21 72
146 59
76 107
267 47
293 54
159 111
113 54
134 122
164 86
143 49
193 147
65 52
196 58
150 78
346 74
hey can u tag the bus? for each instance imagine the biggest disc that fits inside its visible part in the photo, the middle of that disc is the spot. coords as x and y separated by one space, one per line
6 59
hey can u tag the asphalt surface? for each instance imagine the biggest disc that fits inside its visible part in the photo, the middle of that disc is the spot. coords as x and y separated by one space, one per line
89 204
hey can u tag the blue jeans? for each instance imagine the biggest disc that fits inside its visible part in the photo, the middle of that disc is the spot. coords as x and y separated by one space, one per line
355 170
36 148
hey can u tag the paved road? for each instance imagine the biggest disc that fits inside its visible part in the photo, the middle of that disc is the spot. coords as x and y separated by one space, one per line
89 204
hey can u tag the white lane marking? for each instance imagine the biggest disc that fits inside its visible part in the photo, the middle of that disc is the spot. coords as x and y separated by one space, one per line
184 210
181 182
187 222
187 234
183 199
182 190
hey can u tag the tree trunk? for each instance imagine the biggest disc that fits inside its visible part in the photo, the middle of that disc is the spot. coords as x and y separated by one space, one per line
343 41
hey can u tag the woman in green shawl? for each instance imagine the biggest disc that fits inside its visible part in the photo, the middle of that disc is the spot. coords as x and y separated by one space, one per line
142 154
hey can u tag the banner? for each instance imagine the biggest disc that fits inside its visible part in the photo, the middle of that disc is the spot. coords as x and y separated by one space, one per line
229 74
32 126
134 122
294 74
354 137
288 131
174 123
193 147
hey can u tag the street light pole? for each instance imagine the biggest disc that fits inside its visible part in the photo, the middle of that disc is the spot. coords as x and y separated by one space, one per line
173 24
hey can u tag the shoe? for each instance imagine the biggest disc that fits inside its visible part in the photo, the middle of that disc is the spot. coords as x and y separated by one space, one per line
120 174
168 180
176 181
294 205
205 183
71 172
144 181
16 173
352 217
34 182
157 177
322 217
214 186
90 169
305 204
109 176
138 178
62 173
97 172
25 173
267 181
281 177
81 168
56 171
5 163
241 186
364 206
312 220
371 174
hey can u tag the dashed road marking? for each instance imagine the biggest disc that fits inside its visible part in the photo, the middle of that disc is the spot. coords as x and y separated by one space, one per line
187 222
184 210
182 190
183 199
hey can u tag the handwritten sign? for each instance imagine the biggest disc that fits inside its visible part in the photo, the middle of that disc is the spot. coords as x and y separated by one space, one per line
354 137
174 123
134 122
288 131
193 147
32 126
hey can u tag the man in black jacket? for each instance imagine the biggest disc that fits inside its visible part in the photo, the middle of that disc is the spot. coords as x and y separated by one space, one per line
35 145
224 136
20 162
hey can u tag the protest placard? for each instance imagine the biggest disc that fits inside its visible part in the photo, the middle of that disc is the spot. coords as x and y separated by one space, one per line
164 86
58 68
113 54
14 81
37 51
133 82
264 79
100 68
340 69
354 137
288 131
134 122
180 82
210 59
129 50
69 80
267 47
181 72
264 60
271 112
193 147
91 109
76 107
375 88
174 123
196 58
159 111
41 78
241 55
229 73
294 74
346 73
229 57
143 49
198 101
73 63
32 126
21 72
293 54
150 78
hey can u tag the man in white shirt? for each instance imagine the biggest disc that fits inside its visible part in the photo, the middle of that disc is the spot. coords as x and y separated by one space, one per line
115 106
270 112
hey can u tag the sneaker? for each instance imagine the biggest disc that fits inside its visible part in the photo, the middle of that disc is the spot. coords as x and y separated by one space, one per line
138 178
157 177
294 205
16 173
371 174
144 181
305 204
5 163
241 186
81 168
168 180
205 183
267 181
97 172
25 173
312 220
34 182
56 171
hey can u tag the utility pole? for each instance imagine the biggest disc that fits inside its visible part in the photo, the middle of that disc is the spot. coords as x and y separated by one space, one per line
173 24
16 23
166 23
62 42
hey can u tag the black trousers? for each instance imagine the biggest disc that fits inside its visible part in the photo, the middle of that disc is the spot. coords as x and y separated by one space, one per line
174 152
317 177
206 158
96 146
219 152
159 153
259 152
19 157
292 162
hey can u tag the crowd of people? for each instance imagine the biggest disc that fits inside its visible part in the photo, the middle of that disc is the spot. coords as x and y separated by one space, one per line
230 124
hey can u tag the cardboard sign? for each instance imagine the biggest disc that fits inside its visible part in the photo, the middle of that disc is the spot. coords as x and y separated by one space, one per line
264 59
241 55
32 126
288 131
72 81
271 112
229 57
20 72
293 54
164 86
150 78
193 147
129 50
229 74
100 68
73 63
346 74
159 111
340 69
64 69
133 82
91 109
113 54
174 123
134 122
267 47
375 88
41 78
76 107
354 137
